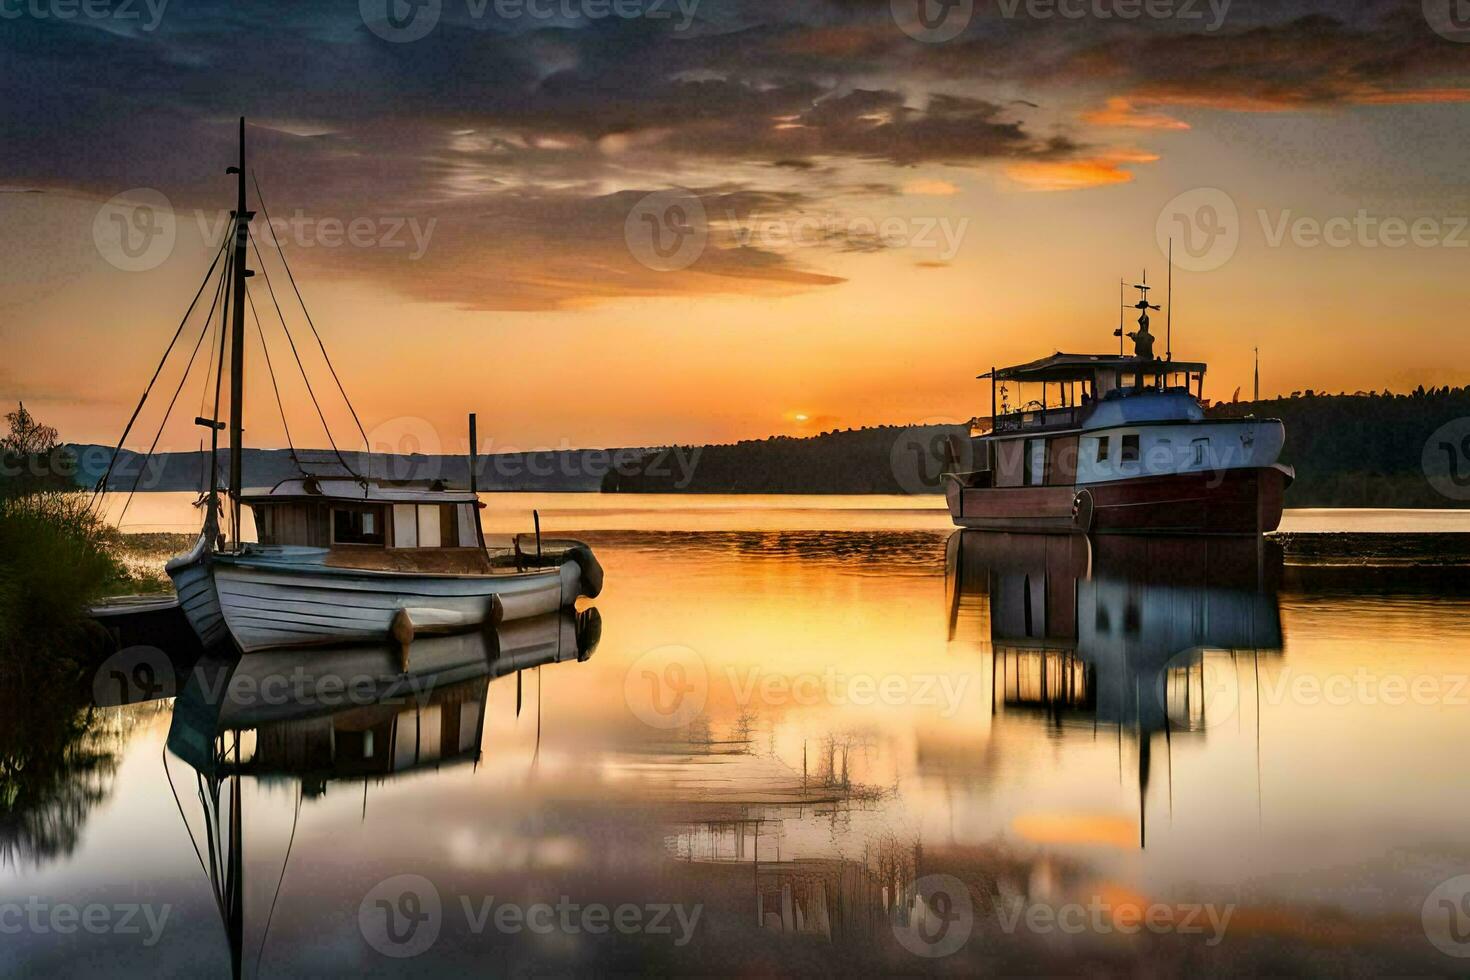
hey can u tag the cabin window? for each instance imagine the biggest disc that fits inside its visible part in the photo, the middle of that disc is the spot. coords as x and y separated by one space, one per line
465 522
430 526
357 525
405 526
1130 449
1102 448
1035 463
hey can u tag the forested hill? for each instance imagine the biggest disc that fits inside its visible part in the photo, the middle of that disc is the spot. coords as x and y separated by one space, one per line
1368 450
1363 450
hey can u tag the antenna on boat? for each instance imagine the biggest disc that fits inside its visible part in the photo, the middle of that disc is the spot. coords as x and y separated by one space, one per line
1169 317
1122 305
1143 341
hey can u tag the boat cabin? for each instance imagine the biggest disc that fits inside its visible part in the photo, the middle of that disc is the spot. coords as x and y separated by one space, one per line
1035 441
1071 384
372 515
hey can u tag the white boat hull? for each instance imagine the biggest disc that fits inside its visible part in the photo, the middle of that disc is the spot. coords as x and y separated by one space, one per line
197 595
263 602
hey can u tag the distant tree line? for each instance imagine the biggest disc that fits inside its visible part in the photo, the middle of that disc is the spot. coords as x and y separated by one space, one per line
1361 450
840 461
1364 449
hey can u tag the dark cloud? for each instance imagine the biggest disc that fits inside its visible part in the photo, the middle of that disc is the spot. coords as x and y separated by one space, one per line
525 131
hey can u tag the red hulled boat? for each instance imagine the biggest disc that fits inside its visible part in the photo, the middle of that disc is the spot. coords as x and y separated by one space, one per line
1115 444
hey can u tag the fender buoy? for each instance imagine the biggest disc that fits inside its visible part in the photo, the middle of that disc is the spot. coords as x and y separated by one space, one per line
1082 505
401 629
590 567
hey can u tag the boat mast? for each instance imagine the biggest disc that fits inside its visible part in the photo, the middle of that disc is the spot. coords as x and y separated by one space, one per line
237 340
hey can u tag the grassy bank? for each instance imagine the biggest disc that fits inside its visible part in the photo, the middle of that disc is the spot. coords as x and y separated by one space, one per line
56 557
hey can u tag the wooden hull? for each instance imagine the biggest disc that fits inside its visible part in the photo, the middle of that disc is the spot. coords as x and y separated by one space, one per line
197 595
263 603
1234 501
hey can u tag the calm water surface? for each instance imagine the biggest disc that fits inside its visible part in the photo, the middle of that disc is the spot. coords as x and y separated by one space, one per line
813 736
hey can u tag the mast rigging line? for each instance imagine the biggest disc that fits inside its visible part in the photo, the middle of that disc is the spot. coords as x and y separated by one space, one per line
366 445
102 483
270 369
302 367
172 401
219 377
204 389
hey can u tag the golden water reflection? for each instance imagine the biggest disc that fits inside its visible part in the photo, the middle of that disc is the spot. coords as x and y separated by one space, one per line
794 728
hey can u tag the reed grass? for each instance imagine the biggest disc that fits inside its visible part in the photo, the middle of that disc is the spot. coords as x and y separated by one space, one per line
56 557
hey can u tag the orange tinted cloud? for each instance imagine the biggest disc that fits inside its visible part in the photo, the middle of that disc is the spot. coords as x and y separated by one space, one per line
1121 112
1289 99
1075 175
1425 96
930 188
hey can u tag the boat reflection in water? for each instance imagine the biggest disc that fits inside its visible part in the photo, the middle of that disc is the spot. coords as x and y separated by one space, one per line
1141 634
342 716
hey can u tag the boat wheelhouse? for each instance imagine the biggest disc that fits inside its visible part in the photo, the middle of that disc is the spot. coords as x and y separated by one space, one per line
1113 443
424 524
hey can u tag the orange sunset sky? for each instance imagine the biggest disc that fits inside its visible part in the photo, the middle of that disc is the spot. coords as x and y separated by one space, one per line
885 216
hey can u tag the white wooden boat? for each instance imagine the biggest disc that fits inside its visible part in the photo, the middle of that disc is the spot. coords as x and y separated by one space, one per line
344 554
317 577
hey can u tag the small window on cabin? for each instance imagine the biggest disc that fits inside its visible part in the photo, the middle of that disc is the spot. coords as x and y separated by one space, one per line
429 528
1130 449
356 526
1102 449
